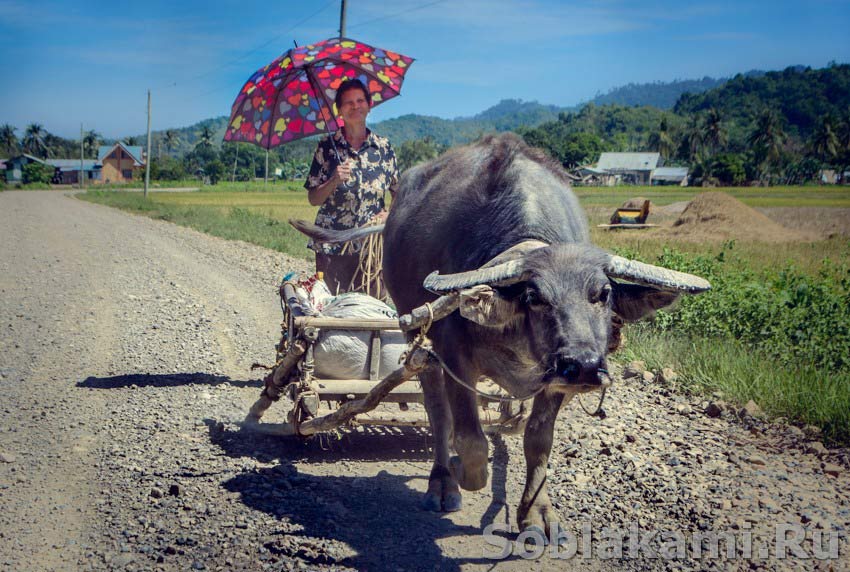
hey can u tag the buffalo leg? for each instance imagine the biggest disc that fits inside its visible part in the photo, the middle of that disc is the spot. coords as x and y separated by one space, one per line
535 509
443 492
469 467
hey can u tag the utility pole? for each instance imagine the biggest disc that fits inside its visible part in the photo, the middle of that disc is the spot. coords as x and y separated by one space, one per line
82 172
235 159
148 158
342 19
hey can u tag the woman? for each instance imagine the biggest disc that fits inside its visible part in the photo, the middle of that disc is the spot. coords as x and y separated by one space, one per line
351 172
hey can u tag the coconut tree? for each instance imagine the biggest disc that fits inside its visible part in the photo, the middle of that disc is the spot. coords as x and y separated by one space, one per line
205 138
91 140
767 139
693 140
172 139
34 140
661 140
8 139
714 133
825 144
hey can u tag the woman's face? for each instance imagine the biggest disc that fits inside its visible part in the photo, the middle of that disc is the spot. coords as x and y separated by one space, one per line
354 107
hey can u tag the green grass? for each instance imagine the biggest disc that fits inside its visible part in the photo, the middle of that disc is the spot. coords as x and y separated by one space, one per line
222 219
812 393
819 196
801 394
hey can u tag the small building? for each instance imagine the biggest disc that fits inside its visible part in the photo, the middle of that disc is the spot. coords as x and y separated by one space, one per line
119 162
592 176
68 171
15 166
629 168
670 176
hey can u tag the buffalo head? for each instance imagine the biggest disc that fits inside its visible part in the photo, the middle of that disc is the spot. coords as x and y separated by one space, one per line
561 300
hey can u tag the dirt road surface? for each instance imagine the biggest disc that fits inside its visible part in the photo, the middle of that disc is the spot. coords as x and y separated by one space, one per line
125 347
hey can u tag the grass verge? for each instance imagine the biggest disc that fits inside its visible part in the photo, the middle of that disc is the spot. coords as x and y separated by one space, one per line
232 223
802 394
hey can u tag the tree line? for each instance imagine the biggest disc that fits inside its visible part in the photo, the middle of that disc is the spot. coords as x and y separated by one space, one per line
779 127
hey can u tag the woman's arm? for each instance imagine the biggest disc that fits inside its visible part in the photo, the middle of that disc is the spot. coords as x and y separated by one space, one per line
318 195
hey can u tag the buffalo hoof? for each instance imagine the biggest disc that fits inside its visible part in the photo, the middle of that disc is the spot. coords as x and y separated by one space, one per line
468 479
452 502
431 502
538 532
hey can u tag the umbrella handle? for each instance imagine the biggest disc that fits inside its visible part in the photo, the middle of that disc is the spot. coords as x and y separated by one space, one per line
320 94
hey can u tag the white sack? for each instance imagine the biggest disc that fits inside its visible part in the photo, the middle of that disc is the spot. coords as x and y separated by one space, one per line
344 354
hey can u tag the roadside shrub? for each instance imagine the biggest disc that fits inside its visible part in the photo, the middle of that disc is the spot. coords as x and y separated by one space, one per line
37 173
796 318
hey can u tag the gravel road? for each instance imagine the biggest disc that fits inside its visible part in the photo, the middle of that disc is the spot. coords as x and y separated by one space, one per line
125 348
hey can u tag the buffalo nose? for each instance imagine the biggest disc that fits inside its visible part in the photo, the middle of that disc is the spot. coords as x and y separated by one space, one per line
582 369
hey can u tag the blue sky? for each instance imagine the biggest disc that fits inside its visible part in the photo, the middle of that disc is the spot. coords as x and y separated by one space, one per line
68 62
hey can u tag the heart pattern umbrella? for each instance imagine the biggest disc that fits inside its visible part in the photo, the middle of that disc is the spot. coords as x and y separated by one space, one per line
292 97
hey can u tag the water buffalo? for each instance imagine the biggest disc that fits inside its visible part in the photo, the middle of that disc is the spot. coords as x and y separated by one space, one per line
498 212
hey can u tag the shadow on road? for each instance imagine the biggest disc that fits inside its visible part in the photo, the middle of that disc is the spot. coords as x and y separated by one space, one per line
377 518
164 380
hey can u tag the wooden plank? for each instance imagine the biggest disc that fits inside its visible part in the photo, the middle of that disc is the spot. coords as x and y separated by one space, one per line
346 323
626 225
332 389
375 356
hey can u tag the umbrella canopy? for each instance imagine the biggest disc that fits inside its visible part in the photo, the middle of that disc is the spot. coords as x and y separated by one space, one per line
292 97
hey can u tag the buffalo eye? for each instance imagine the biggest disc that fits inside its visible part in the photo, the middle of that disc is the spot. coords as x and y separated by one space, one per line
532 299
604 294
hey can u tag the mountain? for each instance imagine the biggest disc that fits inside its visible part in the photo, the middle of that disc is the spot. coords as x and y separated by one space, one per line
802 96
506 115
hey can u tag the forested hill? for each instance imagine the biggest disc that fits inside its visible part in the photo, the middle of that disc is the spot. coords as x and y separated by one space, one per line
802 96
662 95
506 115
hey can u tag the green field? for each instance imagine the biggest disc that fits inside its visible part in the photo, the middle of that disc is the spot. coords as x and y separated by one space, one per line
775 328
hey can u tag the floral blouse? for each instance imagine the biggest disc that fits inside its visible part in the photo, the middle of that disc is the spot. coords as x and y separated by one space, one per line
352 205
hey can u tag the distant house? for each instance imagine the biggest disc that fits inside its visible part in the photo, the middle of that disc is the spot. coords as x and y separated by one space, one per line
670 176
593 176
119 162
15 166
68 171
629 168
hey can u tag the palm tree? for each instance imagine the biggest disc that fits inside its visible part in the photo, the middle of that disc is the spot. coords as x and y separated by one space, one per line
8 139
693 140
661 140
715 134
172 139
91 140
825 144
34 140
767 139
205 138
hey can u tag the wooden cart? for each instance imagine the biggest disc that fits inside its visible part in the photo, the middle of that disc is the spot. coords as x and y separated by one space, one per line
320 405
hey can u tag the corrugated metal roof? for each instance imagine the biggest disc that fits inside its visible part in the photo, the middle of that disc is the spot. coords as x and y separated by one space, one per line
135 151
74 164
628 161
670 172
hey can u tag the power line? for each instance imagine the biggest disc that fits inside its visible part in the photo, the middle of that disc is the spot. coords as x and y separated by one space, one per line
393 15
251 51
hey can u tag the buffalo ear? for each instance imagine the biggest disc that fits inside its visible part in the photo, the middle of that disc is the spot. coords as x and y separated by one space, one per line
486 307
633 302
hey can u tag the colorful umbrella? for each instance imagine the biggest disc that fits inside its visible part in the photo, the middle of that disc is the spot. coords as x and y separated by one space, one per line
292 97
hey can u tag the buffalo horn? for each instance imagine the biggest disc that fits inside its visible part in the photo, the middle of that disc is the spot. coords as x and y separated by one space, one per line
655 276
503 274
330 236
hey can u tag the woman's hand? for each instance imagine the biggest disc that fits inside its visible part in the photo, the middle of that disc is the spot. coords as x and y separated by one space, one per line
342 173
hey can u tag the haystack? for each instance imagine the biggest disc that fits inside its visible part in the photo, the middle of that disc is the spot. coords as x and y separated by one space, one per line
719 216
